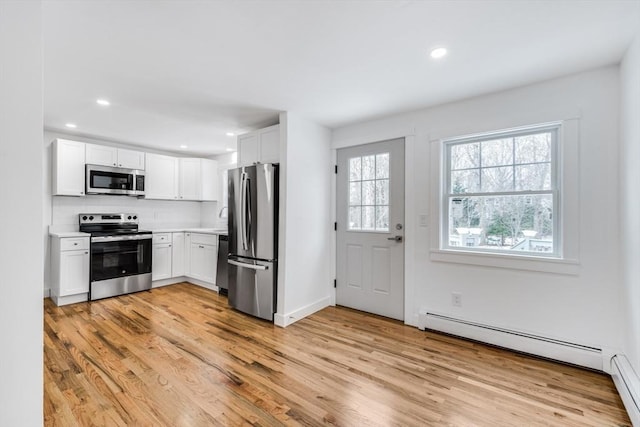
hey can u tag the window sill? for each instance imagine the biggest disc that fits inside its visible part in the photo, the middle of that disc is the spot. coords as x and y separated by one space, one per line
508 261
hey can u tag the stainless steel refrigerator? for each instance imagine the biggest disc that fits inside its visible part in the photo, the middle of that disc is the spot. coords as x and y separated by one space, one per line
253 239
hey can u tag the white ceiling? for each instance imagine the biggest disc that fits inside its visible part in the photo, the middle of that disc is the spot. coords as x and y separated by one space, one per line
187 72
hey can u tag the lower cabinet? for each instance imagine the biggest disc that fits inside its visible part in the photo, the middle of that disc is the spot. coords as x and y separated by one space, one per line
203 262
69 269
188 254
177 255
161 261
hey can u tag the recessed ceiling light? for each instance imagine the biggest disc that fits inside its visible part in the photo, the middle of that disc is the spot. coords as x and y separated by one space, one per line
438 52
71 125
230 134
183 146
230 149
103 102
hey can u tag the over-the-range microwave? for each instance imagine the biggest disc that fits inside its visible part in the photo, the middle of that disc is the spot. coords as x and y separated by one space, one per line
115 181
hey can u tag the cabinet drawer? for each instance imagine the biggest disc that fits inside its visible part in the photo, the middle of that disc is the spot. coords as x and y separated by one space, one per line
161 238
74 243
204 239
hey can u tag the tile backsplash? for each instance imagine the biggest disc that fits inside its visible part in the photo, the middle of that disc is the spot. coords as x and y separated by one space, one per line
152 214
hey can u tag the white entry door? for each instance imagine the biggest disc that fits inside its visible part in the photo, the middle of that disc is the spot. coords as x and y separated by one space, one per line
370 193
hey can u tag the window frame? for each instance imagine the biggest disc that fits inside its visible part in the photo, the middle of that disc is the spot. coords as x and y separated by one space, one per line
555 128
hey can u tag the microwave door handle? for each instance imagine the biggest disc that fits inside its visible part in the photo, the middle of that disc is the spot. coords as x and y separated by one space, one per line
243 212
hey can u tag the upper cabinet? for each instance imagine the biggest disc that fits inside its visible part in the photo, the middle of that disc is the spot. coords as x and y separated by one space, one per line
260 146
166 177
161 177
209 180
190 179
67 168
172 178
112 156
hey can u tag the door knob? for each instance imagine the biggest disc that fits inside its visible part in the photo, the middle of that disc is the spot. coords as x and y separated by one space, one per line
396 238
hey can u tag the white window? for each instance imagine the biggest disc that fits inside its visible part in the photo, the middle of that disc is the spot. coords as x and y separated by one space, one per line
501 193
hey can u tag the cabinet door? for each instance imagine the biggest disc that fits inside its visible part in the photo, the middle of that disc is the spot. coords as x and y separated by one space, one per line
248 149
203 262
161 261
190 187
187 254
74 272
161 177
209 179
102 155
269 144
130 159
177 255
68 168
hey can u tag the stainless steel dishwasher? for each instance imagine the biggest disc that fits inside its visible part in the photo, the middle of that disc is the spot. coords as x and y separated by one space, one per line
222 275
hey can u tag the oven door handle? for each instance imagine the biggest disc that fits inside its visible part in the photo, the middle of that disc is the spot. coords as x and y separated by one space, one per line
99 239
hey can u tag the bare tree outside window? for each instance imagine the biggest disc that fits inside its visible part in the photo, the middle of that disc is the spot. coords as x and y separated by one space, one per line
500 192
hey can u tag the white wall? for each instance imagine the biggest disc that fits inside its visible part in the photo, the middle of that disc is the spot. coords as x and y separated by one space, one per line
20 209
629 201
304 280
581 308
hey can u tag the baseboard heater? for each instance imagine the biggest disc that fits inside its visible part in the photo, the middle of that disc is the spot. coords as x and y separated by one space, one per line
563 351
628 385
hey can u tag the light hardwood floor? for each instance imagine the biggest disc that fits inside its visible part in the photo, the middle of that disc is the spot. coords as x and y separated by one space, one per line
179 356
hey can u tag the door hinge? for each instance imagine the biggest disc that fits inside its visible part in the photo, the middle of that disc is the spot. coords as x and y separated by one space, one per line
336 168
335 283
335 226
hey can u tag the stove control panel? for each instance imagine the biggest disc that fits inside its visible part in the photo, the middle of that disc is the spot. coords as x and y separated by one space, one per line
110 218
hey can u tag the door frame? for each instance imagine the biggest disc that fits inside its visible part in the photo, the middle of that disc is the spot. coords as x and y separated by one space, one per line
410 216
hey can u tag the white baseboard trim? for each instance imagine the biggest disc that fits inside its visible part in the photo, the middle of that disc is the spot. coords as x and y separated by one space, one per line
563 351
183 279
202 284
284 320
628 384
47 293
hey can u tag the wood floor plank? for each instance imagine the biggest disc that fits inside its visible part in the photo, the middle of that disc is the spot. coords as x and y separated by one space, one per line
179 356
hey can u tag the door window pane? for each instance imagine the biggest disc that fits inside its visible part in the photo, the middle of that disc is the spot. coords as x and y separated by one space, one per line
369 167
369 193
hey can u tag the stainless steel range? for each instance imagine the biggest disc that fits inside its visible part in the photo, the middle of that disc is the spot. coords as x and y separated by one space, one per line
120 254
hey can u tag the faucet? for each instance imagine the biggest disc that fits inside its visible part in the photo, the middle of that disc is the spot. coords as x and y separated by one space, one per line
221 211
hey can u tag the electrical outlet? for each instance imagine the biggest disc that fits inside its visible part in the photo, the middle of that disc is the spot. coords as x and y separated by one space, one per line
423 220
456 299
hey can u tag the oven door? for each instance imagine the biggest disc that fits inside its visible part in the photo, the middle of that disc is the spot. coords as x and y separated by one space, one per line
120 256
108 180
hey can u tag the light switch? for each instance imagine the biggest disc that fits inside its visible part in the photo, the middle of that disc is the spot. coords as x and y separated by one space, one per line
423 220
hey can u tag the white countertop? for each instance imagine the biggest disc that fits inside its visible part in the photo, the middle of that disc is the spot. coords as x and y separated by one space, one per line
62 234
190 230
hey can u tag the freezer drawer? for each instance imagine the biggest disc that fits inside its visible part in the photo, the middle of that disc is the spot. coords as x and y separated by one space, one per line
252 287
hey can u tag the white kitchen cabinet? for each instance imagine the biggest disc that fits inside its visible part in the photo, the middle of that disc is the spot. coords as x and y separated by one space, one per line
68 160
161 177
161 261
203 257
131 159
190 181
69 269
209 179
260 146
177 255
112 156
172 178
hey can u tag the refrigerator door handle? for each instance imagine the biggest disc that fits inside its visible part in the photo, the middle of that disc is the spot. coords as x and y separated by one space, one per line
251 266
243 210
